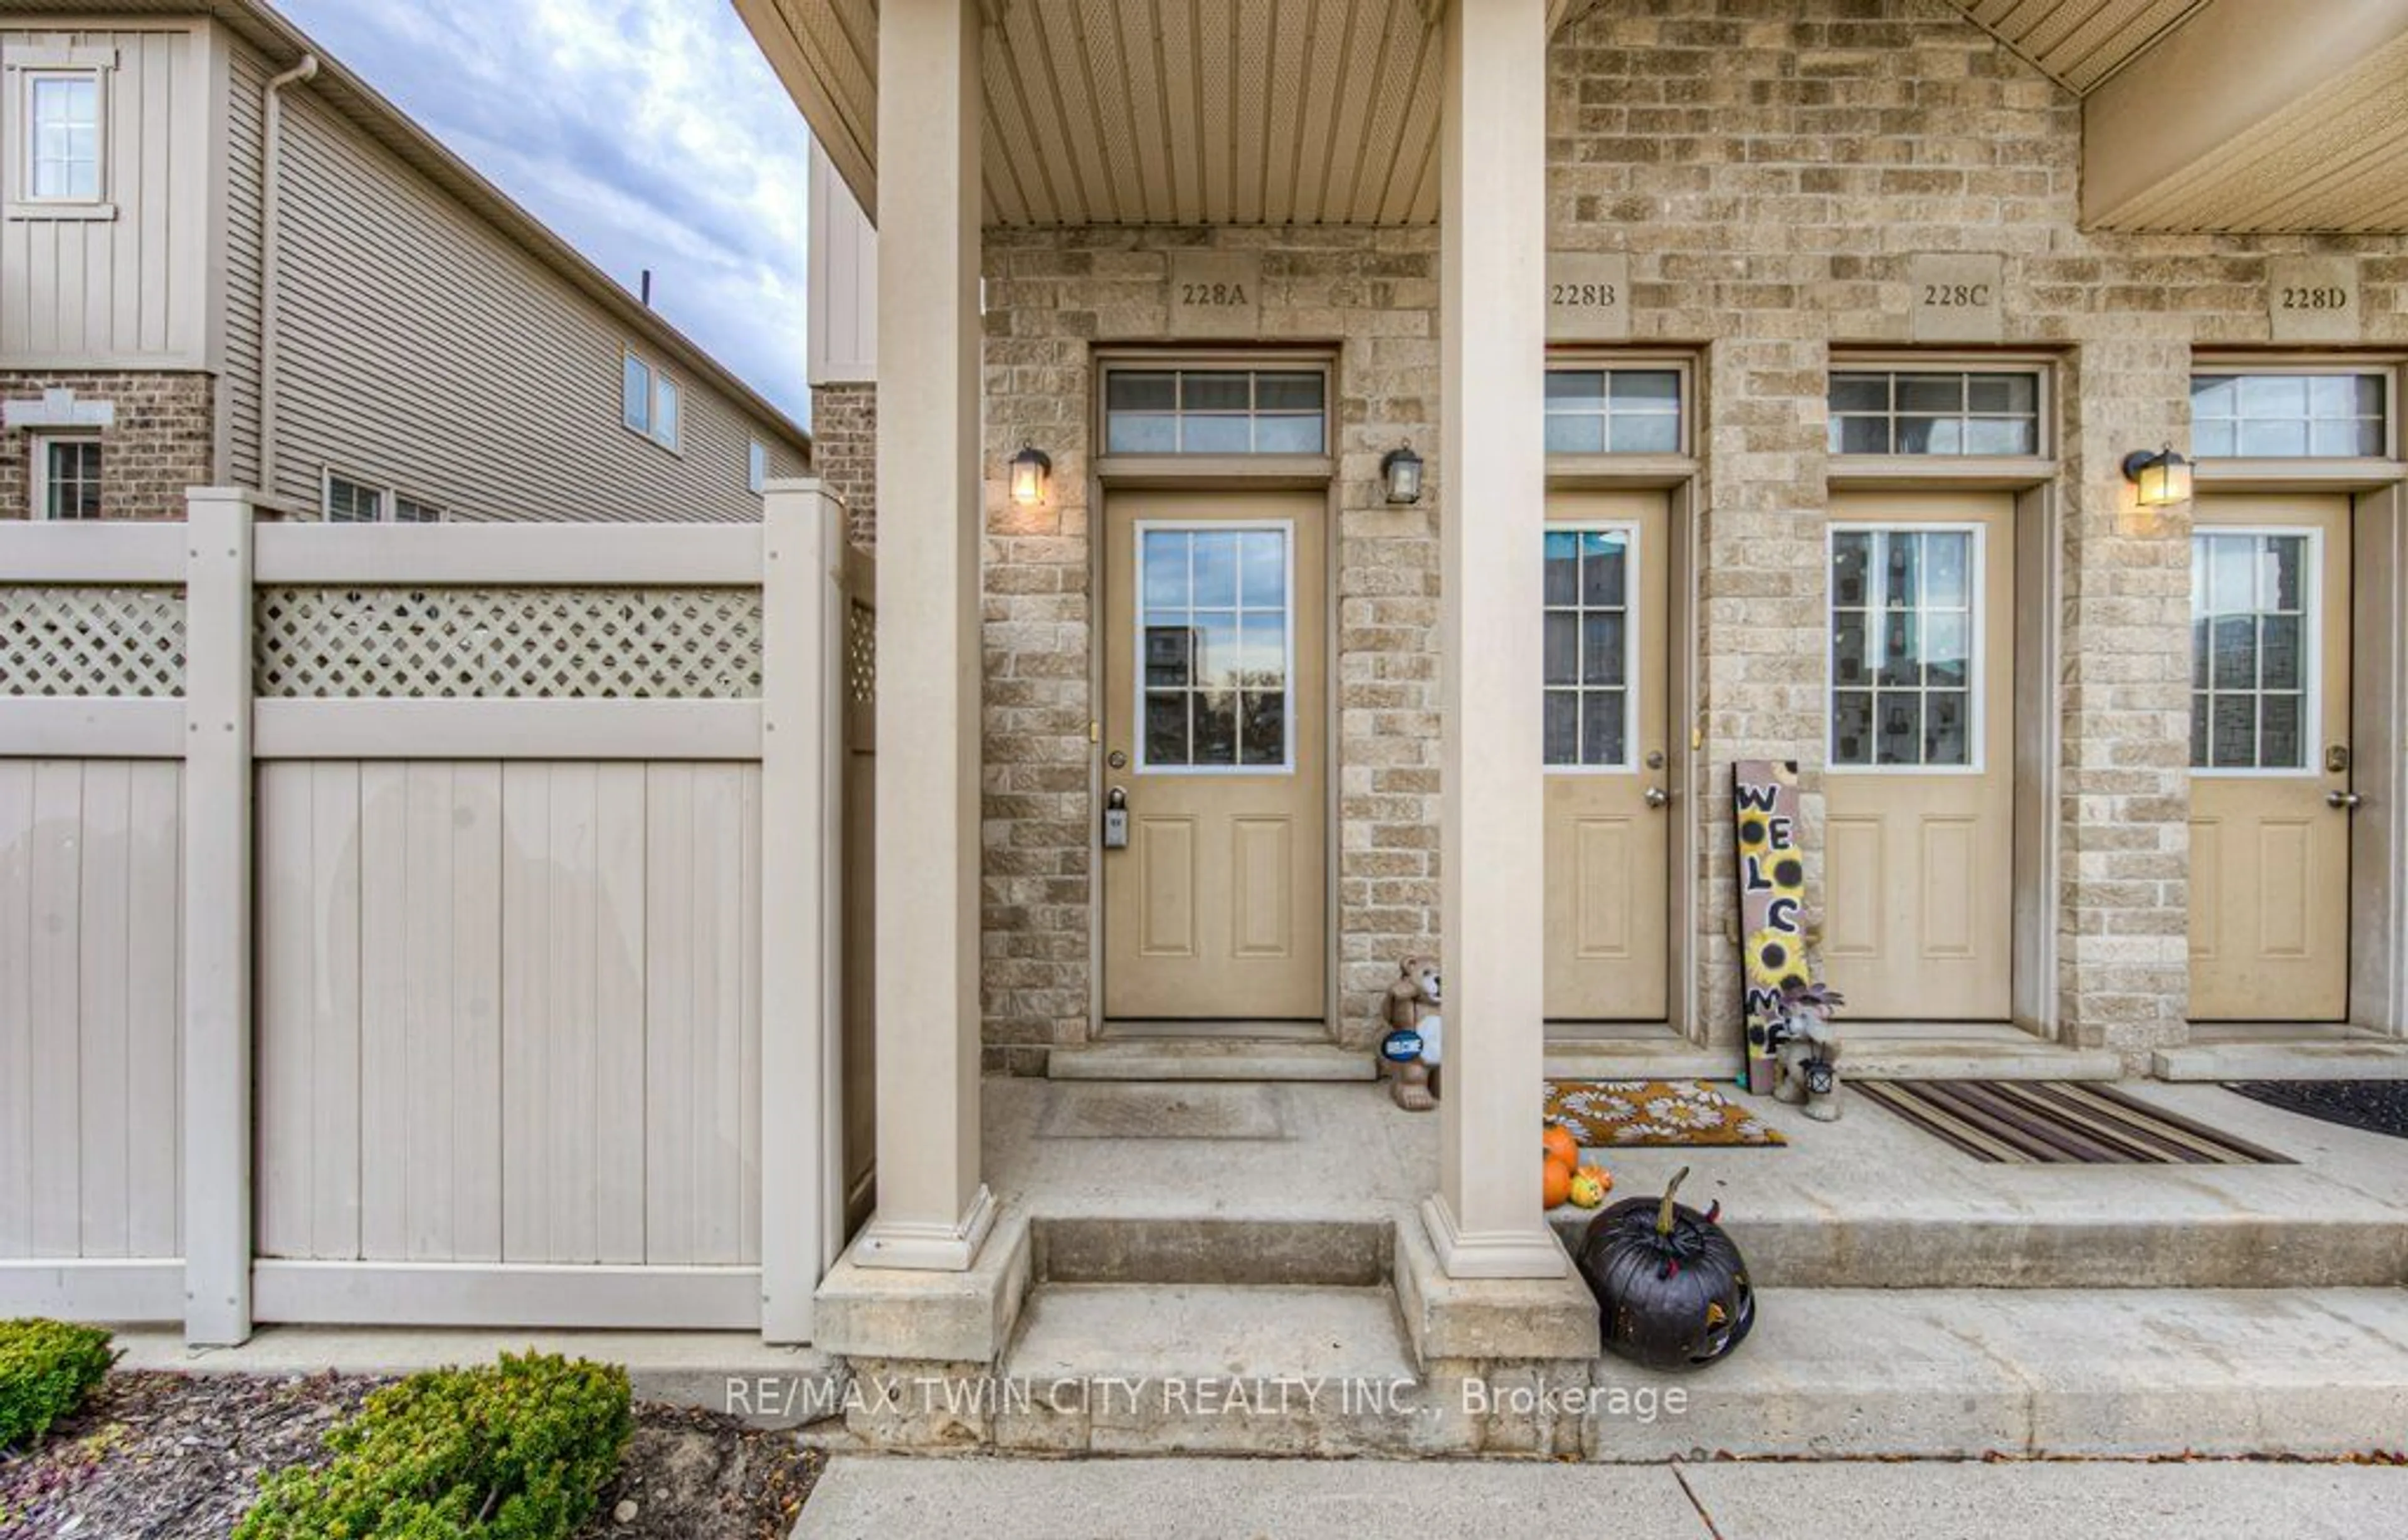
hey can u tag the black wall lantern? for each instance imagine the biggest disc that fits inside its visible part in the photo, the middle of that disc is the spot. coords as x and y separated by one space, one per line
2161 477
1032 471
1402 470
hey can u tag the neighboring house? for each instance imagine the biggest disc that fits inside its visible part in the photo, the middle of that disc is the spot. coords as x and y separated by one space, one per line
225 259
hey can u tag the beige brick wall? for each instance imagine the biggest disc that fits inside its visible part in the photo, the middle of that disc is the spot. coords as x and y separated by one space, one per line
1770 167
844 453
160 444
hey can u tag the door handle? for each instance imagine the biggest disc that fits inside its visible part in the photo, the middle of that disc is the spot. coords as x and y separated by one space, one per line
1655 796
2342 799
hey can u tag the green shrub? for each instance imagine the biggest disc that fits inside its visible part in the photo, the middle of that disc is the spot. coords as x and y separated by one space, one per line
45 1368
518 1450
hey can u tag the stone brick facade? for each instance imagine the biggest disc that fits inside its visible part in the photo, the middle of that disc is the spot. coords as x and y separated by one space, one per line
1770 168
844 453
162 442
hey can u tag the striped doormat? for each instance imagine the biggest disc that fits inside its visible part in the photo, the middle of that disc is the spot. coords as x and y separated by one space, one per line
2058 1123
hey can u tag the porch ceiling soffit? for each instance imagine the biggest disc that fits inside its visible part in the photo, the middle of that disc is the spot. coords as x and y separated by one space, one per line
1160 111
2226 115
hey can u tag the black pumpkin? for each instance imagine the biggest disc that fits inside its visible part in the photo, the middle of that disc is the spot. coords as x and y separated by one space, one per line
1672 1287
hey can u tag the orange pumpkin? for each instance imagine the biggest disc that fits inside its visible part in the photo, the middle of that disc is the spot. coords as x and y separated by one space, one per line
1557 1182
1560 1145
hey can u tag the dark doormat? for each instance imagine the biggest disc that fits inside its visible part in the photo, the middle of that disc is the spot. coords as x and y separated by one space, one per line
2057 1122
2378 1106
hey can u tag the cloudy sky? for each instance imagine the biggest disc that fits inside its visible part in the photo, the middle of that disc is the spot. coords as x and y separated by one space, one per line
650 132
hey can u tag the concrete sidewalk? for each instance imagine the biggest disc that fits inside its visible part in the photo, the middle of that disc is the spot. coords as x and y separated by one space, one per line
1430 1500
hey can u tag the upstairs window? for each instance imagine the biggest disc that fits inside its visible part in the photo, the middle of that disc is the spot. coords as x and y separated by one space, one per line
1216 411
1935 412
63 131
648 402
66 477
1613 411
756 465
2288 416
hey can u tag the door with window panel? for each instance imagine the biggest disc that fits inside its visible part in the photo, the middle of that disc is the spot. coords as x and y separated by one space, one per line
1919 788
1608 833
2269 759
1214 733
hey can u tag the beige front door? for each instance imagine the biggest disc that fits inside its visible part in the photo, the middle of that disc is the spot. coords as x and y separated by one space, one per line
1918 828
1607 832
1213 626
2270 760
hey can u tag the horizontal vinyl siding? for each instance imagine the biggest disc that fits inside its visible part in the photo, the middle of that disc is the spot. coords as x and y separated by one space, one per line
131 289
421 350
250 78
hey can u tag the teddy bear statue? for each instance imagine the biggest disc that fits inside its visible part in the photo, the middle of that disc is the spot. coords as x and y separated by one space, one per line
1807 1050
1409 1056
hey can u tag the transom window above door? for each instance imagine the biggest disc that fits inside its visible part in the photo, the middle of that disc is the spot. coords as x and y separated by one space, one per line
2250 599
1613 411
1216 411
2338 415
1904 676
1589 701
1215 648
1935 412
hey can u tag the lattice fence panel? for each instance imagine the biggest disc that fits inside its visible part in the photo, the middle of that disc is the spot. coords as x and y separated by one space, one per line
91 640
509 642
860 654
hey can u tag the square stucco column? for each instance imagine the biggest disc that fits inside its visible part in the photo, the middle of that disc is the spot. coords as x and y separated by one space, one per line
933 1210
1487 1220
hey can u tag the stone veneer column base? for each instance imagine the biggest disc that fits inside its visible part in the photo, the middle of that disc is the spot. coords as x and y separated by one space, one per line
1448 1316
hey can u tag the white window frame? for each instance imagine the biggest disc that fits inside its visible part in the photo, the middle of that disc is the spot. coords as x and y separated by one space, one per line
53 64
2395 379
39 489
1632 630
1977 626
657 383
2312 660
756 465
1250 366
2044 407
388 498
1286 527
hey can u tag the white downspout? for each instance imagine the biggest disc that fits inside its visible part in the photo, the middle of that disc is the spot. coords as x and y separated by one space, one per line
271 160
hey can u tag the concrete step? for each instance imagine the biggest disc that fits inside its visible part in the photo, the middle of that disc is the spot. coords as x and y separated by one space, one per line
2000 1054
1950 1374
1211 1059
1828 1373
2338 1059
1206 1368
1338 1253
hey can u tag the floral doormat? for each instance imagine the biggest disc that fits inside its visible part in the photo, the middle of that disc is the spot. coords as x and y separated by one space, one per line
1659 1114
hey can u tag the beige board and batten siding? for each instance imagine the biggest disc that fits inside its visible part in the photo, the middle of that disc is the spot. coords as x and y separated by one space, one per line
510 1012
127 289
424 350
91 1009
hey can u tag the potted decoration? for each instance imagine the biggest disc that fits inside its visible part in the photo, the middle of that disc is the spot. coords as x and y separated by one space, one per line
1671 1286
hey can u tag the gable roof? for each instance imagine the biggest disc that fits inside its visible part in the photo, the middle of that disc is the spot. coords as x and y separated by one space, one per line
362 105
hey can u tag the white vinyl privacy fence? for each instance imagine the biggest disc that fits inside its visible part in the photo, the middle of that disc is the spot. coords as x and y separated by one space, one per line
425 925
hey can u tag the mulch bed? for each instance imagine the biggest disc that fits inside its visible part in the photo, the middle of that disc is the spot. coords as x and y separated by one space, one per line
178 1456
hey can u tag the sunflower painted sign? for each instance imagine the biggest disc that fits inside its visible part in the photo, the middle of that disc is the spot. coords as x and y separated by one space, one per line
1772 903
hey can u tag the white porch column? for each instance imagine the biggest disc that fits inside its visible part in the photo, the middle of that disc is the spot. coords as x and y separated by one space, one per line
1486 1220
933 1210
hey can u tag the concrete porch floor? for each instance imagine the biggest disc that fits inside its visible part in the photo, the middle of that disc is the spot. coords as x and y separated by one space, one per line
1867 1202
